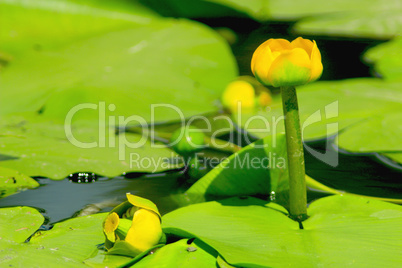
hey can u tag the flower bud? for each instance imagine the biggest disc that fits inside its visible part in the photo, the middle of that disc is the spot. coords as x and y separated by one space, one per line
187 140
245 93
132 227
278 62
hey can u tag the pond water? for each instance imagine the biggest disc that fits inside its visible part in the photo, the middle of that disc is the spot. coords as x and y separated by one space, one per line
59 200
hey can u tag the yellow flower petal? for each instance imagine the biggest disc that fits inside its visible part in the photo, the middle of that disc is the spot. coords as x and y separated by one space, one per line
110 225
291 68
142 203
305 44
279 44
145 231
261 61
316 64
238 93
278 62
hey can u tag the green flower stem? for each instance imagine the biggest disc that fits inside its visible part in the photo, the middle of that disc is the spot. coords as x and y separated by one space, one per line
297 181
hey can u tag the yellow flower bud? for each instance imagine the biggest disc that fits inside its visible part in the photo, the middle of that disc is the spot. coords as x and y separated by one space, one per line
145 231
278 62
132 227
238 93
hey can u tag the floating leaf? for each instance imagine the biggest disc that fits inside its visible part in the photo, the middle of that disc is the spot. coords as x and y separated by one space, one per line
386 59
326 107
11 181
18 223
397 157
377 134
258 168
259 234
365 23
114 73
41 147
181 254
68 244
40 25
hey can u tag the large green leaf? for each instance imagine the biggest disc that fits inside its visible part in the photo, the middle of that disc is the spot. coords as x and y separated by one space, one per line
37 146
386 59
378 134
324 104
259 168
248 233
40 25
18 223
367 22
12 181
125 70
397 157
67 244
181 254
364 18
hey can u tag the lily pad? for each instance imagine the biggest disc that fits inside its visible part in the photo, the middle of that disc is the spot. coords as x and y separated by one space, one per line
259 234
397 157
41 147
373 18
68 244
378 134
327 107
114 74
181 254
260 168
364 23
40 25
386 59
12 181
18 223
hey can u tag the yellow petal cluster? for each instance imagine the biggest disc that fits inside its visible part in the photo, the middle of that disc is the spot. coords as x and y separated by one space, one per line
136 226
245 93
278 62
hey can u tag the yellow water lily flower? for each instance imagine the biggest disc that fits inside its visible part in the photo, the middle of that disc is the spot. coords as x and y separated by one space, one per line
132 227
116 228
278 62
145 231
238 93
245 93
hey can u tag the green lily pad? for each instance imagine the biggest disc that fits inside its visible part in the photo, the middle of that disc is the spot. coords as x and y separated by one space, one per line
397 157
114 73
18 223
294 9
259 168
373 18
37 146
361 23
326 107
181 254
378 134
12 181
38 25
259 234
102 260
68 244
386 59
